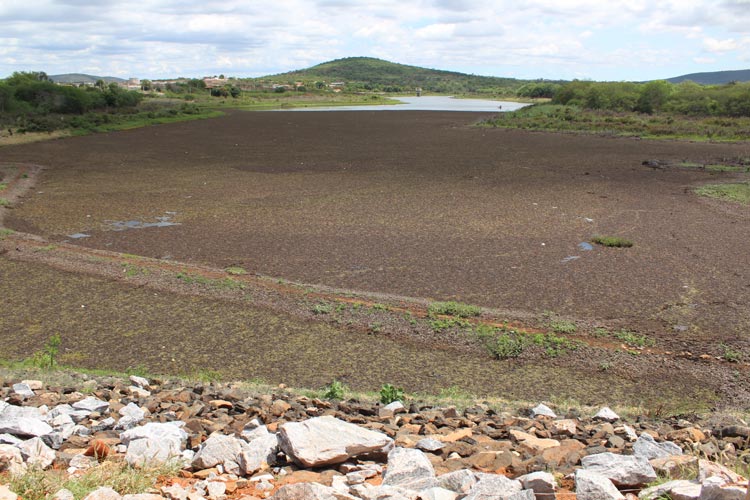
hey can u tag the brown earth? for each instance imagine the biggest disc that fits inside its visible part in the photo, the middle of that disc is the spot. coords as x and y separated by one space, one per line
422 205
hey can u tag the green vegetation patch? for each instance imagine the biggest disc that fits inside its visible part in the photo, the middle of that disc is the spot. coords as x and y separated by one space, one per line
4 202
612 241
454 309
5 232
734 192
235 270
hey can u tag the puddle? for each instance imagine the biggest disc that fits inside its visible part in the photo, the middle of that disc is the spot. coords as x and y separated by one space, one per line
586 247
570 258
163 221
78 236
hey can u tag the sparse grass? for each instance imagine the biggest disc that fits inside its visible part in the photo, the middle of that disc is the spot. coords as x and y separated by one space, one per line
734 192
454 309
223 284
632 339
37 484
5 232
235 271
612 241
729 354
3 186
132 270
4 202
46 248
444 324
380 307
321 308
561 326
205 375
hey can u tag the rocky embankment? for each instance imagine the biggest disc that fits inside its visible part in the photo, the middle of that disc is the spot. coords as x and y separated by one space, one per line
231 443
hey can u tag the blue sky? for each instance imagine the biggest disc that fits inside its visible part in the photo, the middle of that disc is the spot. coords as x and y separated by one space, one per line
562 39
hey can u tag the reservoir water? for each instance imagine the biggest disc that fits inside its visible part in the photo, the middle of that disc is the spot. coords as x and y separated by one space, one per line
429 103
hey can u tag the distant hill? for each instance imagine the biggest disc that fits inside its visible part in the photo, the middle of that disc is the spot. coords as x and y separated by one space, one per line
82 78
714 77
377 73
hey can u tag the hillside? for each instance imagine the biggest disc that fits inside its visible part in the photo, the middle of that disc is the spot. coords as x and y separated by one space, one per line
372 73
714 77
83 78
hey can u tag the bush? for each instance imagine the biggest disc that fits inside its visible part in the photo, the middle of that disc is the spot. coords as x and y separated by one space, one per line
454 309
389 394
334 390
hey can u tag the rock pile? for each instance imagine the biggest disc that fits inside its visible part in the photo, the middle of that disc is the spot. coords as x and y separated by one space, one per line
230 443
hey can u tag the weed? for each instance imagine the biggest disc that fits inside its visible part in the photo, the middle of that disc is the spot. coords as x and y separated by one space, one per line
45 248
444 324
340 307
601 332
563 326
735 192
380 307
334 390
605 366
25 176
454 309
612 241
47 357
389 394
235 270
4 202
356 306
730 354
375 327
132 270
506 345
5 232
206 376
632 339
321 308
3 186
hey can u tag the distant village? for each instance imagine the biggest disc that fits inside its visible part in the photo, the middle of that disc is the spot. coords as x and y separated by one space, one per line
208 83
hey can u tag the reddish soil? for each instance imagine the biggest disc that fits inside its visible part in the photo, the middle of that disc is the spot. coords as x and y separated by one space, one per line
421 205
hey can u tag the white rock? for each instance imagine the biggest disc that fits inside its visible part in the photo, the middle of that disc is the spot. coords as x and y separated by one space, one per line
630 433
683 489
103 493
591 485
493 486
139 381
258 454
521 495
10 439
409 468
6 494
542 410
153 443
91 404
437 493
327 440
251 432
715 488
622 470
216 489
11 460
138 392
142 496
63 494
707 469
542 483
219 449
309 491
15 423
607 415
132 410
35 385
647 447
81 462
429 444
23 390
36 453
460 481
174 492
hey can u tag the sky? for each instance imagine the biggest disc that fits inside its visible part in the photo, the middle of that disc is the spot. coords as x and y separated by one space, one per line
551 39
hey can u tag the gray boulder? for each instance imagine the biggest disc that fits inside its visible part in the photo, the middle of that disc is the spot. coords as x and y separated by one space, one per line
494 487
607 415
219 449
23 390
91 404
591 485
36 453
309 491
543 484
153 443
23 426
327 440
437 493
647 447
409 468
680 489
460 481
430 444
11 460
259 453
715 488
542 410
622 470
103 493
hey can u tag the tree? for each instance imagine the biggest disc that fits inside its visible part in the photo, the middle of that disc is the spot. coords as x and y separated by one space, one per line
654 95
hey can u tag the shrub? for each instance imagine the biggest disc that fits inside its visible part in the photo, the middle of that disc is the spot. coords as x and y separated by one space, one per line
612 241
334 390
454 309
389 394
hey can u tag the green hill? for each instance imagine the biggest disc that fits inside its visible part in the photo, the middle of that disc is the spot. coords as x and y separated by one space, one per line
714 77
376 74
82 78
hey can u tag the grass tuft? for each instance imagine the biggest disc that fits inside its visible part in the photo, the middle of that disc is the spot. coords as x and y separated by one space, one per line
454 309
612 241
735 192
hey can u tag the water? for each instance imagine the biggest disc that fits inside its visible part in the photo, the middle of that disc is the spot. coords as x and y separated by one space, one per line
77 236
429 103
586 247
163 221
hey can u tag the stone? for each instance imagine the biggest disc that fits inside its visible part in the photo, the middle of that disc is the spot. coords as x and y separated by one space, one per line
409 468
153 443
543 484
10 439
36 453
493 487
622 470
460 481
309 491
647 447
63 494
216 489
437 493
675 466
565 427
259 454
23 390
630 433
715 488
139 381
327 440
142 496
6 494
103 493
174 492
607 415
591 485
707 469
11 460
679 489
532 444
91 404
430 444
542 410
219 449
521 495
19 423
34 385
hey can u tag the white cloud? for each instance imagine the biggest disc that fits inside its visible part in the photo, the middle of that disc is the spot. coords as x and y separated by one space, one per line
714 45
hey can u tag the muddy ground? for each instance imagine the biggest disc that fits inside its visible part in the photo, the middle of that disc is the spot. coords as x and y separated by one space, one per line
422 205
